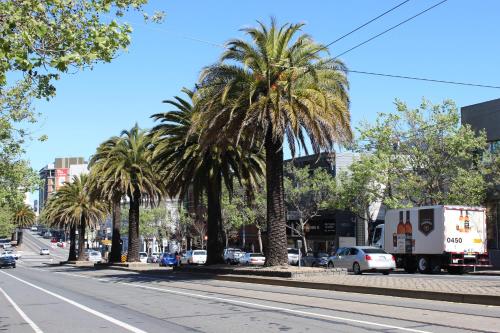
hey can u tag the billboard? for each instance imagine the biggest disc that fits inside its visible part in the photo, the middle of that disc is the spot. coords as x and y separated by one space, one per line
61 177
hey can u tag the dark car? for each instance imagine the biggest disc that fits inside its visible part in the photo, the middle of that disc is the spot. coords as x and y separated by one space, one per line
168 259
316 259
7 261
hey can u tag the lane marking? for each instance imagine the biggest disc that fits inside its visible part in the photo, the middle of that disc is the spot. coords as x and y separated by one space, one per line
225 300
81 306
21 313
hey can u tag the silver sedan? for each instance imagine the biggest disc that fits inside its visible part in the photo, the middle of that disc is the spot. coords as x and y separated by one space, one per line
363 259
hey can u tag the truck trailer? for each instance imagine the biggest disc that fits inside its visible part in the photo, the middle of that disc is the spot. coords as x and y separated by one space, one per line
432 238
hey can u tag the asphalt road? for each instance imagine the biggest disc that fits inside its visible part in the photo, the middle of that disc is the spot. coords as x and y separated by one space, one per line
37 298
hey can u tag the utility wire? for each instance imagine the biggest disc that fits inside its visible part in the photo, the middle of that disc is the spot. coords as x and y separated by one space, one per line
364 25
424 79
391 28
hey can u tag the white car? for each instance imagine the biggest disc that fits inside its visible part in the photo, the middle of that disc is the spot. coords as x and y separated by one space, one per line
232 255
293 256
10 253
33 228
44 252
198 257
94 256
363 259
143 256
253 259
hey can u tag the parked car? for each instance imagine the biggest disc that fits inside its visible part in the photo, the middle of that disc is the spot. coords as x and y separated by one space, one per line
44 251
168 259
5 244
363 259
7 261
253 259
34 228
194 257
153 258
143 256
315 259
232 255
94 256
293 256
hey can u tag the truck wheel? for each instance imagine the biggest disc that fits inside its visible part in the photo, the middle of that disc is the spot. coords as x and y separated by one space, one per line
356 269
423 265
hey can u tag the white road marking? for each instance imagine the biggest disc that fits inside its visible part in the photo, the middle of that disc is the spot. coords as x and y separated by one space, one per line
305 313
21 313
81 306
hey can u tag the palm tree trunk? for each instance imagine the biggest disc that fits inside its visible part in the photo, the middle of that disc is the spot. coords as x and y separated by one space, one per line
19 237
72 244
81 240
133 228
116 247
215 242
276 253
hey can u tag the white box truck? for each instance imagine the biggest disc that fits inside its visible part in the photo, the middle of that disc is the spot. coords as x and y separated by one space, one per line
433 237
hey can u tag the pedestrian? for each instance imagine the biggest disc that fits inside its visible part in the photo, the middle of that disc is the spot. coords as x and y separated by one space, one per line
177 258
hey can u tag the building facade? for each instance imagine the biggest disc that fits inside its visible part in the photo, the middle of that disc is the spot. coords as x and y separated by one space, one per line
54 175
486 116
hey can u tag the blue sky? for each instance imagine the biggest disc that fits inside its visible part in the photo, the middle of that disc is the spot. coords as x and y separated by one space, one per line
457 41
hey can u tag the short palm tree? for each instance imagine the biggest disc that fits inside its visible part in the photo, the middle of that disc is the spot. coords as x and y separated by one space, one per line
185 165
128 165
24 217
110 188
277 86
74 206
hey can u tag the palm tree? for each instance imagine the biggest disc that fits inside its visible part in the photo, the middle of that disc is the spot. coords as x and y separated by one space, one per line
128 165
24 217
276 87
109 189
185 165
74 206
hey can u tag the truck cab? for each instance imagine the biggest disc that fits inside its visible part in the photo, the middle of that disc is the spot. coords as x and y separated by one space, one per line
378 236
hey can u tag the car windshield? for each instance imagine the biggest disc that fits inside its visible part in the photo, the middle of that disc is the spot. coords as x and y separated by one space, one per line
168 255
143 254
199 253
293 251
322 254
374 251
94 253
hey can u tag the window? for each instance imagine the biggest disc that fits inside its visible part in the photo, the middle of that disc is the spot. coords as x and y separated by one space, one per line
377 235
353 251
374 251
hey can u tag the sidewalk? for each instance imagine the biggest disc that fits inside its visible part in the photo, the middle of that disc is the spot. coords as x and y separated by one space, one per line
472 291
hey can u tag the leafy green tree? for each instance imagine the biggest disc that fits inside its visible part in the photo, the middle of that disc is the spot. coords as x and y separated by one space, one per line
41 39
277 86
418 157
129 162
307 192
186 166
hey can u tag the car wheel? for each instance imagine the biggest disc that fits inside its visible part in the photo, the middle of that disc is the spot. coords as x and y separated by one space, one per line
330 264
423 265
386 272
356 268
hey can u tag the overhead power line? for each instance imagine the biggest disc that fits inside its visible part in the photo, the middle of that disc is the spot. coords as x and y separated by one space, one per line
365 24
391 28
424 79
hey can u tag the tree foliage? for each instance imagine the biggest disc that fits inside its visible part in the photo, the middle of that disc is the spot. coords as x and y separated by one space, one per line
421 156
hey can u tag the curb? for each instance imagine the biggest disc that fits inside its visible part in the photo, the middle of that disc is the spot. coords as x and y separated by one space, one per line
406 293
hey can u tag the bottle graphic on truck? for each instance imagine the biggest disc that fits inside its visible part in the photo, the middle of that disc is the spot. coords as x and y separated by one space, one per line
408 234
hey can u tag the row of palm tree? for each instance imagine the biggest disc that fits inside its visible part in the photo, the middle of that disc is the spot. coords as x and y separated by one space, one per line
273 90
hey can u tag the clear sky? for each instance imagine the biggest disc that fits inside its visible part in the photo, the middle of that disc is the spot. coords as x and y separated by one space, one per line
457 41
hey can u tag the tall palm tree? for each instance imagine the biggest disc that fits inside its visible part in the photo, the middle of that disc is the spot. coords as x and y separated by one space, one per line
128 164
109 188
277 86
24 217
185 165
74 205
